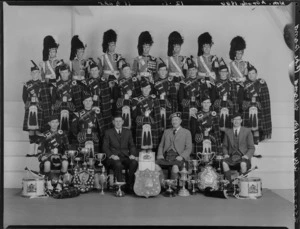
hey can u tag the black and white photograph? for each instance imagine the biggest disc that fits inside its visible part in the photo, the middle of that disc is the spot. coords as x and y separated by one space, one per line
158 115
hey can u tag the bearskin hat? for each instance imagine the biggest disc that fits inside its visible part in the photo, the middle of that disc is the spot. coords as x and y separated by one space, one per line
34 67
49 43
236 44
108 36
174 39
76 43
144 38
204 38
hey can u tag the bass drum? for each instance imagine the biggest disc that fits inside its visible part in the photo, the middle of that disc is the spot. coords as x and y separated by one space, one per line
208 177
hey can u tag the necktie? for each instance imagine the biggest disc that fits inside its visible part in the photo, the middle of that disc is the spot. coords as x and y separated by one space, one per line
119 132
174 131
235 133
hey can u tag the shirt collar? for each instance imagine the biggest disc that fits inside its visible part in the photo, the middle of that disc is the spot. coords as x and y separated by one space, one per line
237 128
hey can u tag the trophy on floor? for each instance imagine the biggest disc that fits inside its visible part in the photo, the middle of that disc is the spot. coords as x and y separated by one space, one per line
102 179
169 192
195 164
119 192
72 154
184 178
100 157
193 182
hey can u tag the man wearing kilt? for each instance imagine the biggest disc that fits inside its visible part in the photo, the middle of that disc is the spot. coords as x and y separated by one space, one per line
88 125
100 92
109 60
205 117
145 65
256 106
37 99
226 96
238 67
79 67
190 97
206 142
146 114
51 152
66 98
50 61
165 90
207 64
128 87
176 64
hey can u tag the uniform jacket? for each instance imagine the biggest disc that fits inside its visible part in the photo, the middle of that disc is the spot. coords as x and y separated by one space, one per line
182 142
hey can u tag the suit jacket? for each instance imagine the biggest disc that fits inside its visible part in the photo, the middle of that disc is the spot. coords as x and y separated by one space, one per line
114 144
182 142
246 144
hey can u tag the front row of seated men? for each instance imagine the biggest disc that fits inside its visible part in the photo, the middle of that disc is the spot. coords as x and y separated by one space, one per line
174 149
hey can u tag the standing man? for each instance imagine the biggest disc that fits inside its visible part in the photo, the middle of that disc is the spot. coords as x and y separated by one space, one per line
238 148
121 152
37 99
145 65
175 146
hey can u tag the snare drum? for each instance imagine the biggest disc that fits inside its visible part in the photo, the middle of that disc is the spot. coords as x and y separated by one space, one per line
33 187
250 187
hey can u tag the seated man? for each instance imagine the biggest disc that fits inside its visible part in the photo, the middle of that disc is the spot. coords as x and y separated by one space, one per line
52 148
121 152
238 147
175 146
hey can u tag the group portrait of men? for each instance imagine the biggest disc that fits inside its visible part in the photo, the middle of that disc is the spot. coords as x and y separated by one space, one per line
170 106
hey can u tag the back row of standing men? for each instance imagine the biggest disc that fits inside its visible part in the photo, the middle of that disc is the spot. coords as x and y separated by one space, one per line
84 95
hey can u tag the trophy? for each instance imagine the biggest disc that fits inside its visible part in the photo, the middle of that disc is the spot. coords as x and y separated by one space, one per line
183 177
219 158
193 182
77 159
102 180
119 192
100 157
72 154
206 157
85 152
195 164
169 192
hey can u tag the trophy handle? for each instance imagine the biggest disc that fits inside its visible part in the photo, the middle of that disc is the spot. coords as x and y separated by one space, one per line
104 156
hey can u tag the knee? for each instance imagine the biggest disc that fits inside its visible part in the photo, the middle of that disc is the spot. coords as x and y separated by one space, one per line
64 165
243 167
133 164
118 165
47 166
175 169
225 166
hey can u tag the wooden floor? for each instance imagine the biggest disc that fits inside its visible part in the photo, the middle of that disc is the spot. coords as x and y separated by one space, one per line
95 209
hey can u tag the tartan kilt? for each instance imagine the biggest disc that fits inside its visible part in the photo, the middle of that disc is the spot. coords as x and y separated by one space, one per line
246 121
154 132
64 106
41 119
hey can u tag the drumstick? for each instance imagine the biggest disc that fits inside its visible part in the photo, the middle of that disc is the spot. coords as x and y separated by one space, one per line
246 174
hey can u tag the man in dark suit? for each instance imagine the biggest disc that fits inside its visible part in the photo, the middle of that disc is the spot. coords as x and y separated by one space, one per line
238 147
121 152
175 146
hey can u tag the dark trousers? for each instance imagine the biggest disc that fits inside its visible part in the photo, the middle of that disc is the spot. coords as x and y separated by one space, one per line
123 163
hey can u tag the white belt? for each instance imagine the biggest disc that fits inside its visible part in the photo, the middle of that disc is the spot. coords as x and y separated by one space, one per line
78 77
145 74
175 74
110 72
